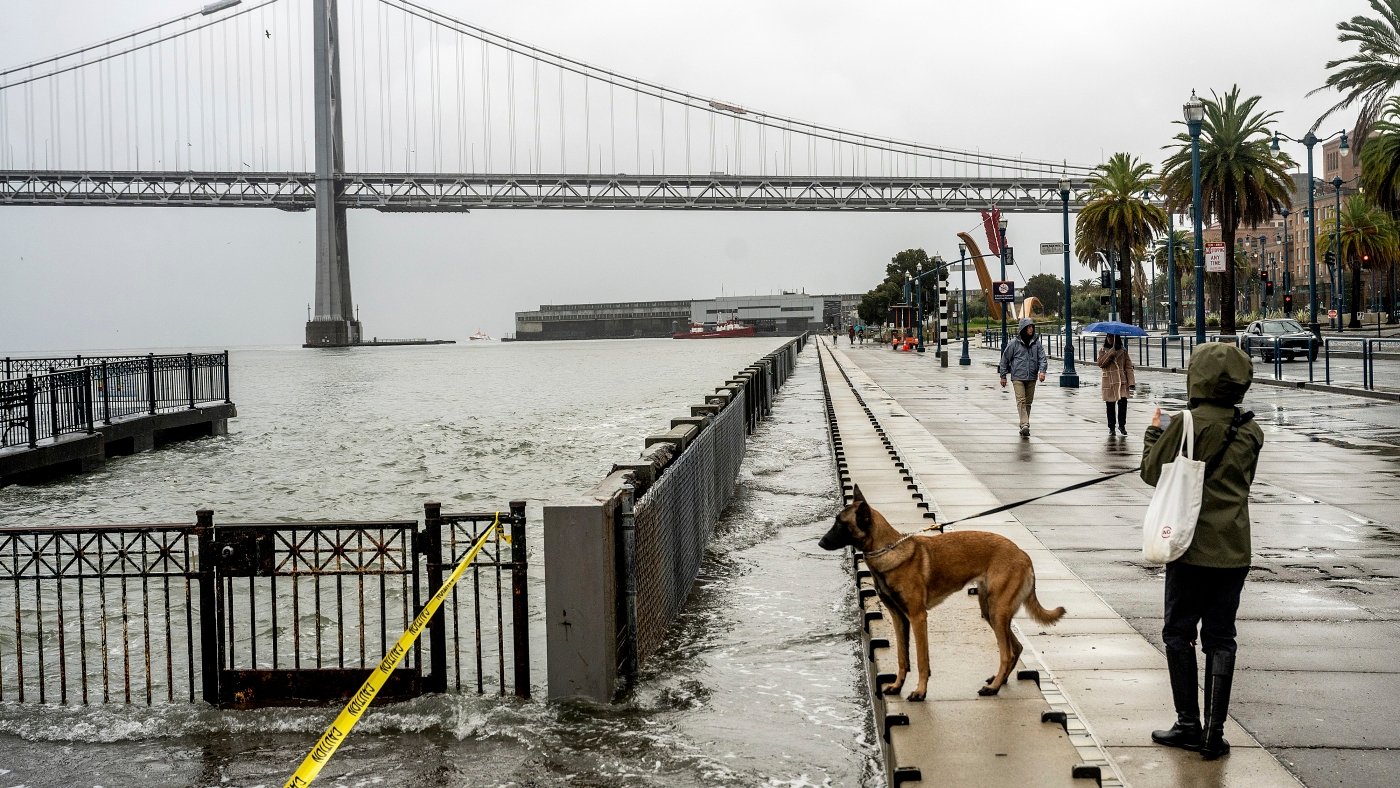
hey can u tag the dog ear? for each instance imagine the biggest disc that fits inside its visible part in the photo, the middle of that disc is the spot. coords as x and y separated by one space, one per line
857 496
863 520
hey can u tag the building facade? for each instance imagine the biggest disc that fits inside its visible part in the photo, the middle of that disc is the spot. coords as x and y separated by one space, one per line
782 314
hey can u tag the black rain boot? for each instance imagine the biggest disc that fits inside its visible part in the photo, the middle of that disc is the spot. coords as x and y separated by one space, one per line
1123 416
1111 408
1220 674
1186 733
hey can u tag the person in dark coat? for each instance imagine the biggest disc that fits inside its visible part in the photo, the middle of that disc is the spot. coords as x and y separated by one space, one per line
1203 586
1025 361
1118 382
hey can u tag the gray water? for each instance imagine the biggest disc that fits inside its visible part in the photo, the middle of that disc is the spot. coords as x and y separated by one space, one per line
759 684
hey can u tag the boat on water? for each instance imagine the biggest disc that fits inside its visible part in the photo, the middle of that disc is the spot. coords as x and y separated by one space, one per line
729 328
479 335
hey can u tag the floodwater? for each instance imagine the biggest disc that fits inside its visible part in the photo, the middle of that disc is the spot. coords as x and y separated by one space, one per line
760 682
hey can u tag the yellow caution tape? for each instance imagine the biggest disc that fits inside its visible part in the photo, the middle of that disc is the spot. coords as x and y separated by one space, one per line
330 741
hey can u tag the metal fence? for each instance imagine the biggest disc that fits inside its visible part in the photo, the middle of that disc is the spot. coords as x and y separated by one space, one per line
673 522
56 402
620 570
1323 366
256 614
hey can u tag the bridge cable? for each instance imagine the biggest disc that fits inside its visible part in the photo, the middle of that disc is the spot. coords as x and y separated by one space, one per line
759 118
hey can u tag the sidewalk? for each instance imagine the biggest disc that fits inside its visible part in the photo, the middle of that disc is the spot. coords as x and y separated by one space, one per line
1320 620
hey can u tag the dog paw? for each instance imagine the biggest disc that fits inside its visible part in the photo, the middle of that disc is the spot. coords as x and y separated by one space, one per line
916 696
891 689
984 691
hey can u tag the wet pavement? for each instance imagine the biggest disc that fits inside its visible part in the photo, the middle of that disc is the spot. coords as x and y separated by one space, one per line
1319 623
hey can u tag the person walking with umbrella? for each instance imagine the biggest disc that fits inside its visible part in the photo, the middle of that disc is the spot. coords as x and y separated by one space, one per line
1025 361
1118 381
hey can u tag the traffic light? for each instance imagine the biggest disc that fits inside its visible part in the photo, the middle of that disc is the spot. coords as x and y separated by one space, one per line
1105 278
1103 299
1329 258
1288 303
1269 287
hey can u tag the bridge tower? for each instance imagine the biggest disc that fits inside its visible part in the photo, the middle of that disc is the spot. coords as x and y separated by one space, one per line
333 322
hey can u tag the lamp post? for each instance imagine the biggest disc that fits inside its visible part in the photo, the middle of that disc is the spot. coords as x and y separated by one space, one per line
1263 280
1287 260
1195 112
1001 233
1338 297
965 360
1309 140
919 305
1069 378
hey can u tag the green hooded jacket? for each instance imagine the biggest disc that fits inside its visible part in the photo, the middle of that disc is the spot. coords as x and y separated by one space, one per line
1216 381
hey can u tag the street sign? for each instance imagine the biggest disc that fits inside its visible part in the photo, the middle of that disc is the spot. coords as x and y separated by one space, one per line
1004 292
1215 258
1332 313
1057 247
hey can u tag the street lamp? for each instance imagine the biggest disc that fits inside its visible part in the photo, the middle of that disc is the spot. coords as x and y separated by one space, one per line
1069 378
1001 232
1195 112
965 360
919 305
1339 300
1309 140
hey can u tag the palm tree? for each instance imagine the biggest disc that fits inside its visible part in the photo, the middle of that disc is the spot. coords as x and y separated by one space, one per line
1242 181
1368 76
1368 237
1118 218
1380 177
1184 249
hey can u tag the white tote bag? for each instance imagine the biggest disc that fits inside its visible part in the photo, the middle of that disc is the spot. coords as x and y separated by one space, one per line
1170 524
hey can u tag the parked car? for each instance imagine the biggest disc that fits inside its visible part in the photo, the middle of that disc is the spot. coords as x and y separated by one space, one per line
1293 340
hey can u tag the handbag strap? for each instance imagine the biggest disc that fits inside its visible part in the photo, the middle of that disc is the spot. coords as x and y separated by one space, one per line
1187 447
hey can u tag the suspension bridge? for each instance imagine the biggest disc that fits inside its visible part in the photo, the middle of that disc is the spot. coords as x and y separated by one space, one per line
329 105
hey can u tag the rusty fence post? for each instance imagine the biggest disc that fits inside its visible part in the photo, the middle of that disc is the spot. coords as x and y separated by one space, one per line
436 676
31 396
209 657
520 598
106 396
151 381
189 377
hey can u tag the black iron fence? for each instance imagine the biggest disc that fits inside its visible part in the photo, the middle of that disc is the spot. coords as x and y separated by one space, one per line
76 399
256 614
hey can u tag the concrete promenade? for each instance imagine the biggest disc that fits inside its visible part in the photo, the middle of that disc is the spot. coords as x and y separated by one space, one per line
1318 684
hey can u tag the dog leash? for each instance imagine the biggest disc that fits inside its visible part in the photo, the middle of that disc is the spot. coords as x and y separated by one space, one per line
1005 507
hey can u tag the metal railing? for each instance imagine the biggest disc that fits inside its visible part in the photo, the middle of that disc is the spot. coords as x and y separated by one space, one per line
59 401
255 614
1166 352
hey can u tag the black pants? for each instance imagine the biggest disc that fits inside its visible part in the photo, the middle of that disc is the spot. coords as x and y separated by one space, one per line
1206 597
1122 407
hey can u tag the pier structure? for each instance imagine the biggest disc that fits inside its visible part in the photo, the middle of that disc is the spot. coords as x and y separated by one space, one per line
69 414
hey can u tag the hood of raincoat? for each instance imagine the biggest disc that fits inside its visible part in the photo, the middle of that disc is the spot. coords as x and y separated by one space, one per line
1220 373
1021 326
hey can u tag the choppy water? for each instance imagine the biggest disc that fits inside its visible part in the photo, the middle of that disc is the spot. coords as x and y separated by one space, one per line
760 683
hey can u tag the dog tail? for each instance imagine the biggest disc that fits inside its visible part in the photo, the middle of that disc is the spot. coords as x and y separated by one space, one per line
1036 610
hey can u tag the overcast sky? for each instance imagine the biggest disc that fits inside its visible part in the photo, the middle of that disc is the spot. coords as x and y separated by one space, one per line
1075 79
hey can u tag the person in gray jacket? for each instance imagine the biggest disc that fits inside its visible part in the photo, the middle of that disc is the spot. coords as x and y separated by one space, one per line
1024 360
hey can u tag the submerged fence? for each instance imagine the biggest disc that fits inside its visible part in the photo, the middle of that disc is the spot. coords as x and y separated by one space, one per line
621 561
254 614
46 398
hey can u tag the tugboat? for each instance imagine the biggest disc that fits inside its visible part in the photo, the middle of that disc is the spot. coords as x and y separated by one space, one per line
729 328
479 335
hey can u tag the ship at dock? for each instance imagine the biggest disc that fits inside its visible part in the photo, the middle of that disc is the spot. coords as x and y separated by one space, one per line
729 328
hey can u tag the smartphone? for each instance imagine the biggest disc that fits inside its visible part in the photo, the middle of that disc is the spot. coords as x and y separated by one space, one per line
1166 419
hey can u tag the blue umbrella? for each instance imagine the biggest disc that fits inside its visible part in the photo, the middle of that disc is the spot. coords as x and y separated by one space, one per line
1116 328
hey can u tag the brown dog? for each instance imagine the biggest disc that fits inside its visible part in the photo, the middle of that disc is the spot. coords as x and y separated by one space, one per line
913 573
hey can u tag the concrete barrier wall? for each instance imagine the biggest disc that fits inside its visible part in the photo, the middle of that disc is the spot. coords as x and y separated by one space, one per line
620 559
